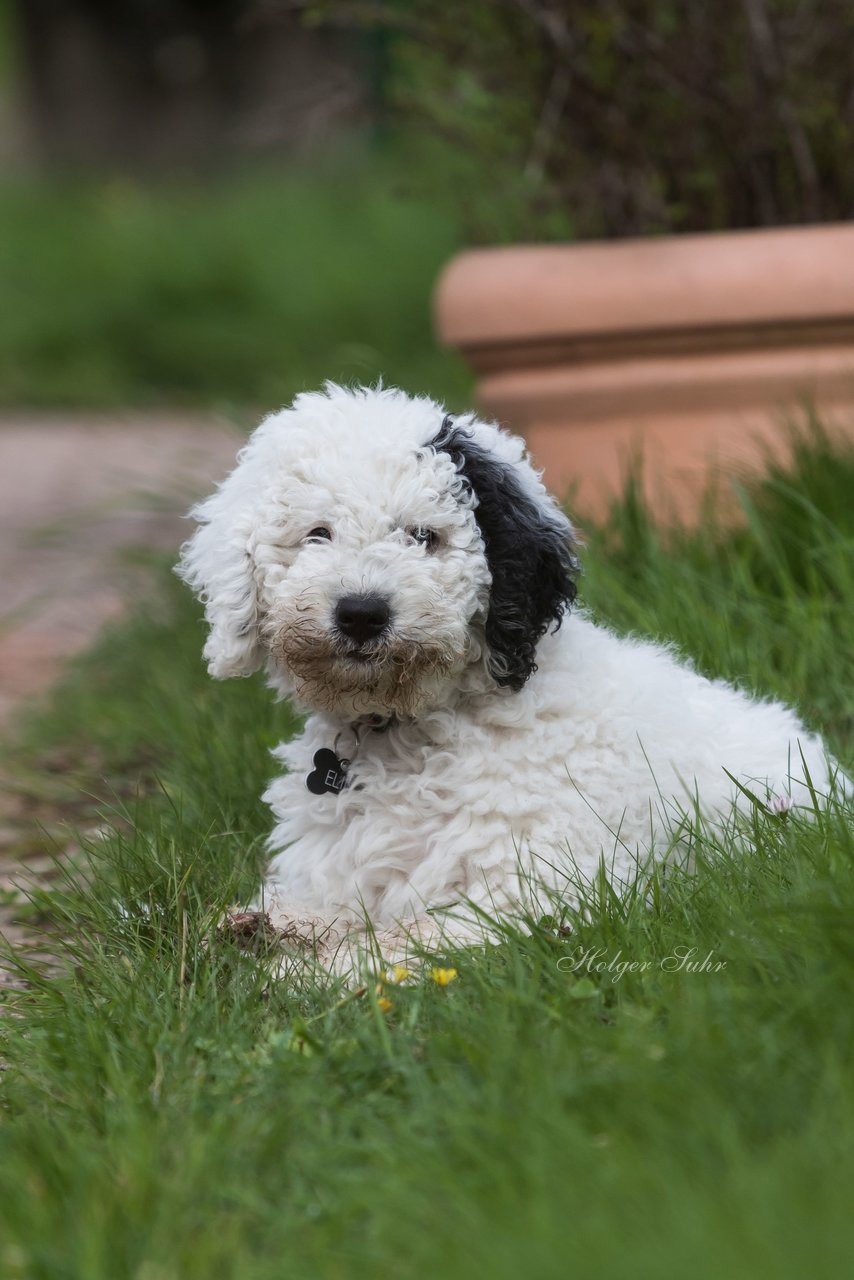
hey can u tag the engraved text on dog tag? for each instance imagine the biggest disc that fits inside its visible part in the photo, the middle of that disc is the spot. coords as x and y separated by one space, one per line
329 773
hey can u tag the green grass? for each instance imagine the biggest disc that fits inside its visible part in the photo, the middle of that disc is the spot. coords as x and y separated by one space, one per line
237 293
168 1113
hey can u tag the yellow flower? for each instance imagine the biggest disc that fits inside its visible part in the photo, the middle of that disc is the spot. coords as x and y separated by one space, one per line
398 973
385 1004
442 977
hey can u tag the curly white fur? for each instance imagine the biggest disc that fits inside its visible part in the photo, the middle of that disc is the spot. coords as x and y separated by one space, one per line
474 782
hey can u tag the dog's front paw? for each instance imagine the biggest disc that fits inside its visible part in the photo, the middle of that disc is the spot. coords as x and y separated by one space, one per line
251 931
259 931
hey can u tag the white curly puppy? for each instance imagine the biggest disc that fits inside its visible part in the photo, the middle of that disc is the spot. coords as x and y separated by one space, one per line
403 575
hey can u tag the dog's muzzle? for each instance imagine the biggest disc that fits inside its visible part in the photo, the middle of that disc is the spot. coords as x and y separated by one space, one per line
362 618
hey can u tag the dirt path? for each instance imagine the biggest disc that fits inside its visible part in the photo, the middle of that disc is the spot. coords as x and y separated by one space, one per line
75 497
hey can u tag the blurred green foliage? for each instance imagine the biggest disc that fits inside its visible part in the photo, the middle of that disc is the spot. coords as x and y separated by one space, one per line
624 117
239 293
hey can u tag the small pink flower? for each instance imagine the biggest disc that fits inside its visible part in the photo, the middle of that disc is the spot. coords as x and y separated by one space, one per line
781 805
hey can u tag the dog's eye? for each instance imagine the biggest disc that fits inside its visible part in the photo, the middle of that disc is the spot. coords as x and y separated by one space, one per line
320 534
424 537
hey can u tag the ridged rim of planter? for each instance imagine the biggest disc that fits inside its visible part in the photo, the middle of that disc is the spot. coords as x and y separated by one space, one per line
590 300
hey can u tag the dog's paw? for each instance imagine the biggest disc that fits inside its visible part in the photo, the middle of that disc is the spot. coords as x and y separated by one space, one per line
248 931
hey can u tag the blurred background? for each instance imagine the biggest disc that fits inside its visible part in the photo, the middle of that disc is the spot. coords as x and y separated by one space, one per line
214 203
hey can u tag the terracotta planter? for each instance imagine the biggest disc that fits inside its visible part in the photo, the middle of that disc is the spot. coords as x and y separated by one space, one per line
692 350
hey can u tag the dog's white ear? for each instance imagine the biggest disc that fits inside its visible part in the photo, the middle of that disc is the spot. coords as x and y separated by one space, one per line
217 562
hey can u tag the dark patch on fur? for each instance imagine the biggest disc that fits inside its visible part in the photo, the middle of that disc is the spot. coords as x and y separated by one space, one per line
530 554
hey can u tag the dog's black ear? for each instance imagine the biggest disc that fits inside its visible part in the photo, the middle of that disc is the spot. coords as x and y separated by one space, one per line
529 550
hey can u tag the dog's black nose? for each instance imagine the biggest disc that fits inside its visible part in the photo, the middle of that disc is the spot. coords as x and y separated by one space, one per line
362 618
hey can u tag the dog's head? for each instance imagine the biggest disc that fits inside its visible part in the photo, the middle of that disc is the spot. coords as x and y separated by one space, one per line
373 552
